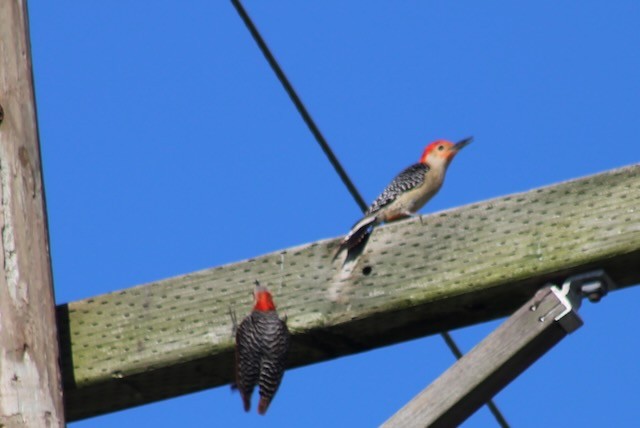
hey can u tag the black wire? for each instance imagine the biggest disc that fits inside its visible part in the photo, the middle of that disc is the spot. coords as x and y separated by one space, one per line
299 105
332 158
451 344
490 404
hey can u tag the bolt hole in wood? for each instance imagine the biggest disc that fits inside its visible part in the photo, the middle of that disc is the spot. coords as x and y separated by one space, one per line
367 270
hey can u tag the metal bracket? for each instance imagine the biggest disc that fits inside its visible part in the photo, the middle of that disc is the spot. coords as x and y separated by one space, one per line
593 285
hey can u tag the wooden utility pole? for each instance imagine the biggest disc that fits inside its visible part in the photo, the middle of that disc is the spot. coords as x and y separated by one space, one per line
30 386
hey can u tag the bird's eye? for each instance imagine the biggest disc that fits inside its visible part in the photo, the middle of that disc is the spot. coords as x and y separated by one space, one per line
441 148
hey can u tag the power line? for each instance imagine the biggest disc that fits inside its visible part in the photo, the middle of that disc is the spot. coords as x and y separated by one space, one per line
497 414
299 105
455 350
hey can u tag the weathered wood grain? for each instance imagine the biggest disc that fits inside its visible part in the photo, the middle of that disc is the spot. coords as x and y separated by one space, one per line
30 382
415 277
490 366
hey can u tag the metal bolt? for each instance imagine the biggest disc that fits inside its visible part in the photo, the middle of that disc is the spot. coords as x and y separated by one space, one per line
594 291
594 297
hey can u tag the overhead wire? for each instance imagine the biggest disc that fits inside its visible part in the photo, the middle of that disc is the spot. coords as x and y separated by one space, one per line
326 148
299 105
493 408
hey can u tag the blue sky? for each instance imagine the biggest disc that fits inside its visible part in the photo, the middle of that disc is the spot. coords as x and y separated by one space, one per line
169 146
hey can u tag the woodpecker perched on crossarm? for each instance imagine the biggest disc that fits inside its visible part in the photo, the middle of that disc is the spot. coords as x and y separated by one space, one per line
408 192
262 342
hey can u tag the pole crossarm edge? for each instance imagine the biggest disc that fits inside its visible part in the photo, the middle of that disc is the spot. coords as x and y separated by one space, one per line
415 277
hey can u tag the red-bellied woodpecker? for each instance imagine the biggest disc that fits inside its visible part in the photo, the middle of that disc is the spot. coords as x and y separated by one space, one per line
408 192
262 342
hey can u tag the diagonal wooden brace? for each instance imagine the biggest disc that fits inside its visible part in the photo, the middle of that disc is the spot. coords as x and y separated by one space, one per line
524 337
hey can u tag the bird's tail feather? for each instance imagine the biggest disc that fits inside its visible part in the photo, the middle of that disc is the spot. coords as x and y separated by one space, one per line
357 234
263 405
246 402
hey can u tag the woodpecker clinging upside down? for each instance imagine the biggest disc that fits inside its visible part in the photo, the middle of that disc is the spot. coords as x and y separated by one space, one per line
262 342
408 192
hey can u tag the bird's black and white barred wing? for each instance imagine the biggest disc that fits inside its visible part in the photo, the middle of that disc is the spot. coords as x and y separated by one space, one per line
248 355
408 179
274 357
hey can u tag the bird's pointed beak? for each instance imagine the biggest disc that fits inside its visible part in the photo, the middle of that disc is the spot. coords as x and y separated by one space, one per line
259 288
462 143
